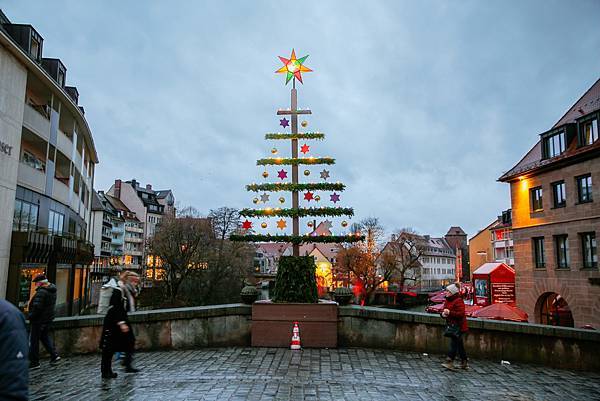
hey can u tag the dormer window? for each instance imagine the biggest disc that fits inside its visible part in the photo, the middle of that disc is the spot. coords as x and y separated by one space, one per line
554 145
34 48
589 132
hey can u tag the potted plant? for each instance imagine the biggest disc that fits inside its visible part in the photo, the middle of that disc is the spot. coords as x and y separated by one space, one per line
249 294
343 295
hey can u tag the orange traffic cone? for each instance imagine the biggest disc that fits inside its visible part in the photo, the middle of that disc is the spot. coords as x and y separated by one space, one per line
295 337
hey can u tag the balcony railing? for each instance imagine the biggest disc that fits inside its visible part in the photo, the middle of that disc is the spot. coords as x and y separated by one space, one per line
32 177
35 121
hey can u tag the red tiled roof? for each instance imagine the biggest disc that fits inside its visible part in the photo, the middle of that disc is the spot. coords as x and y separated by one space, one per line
589 102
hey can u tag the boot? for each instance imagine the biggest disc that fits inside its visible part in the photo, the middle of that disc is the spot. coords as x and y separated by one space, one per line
449 364
464 364
109 375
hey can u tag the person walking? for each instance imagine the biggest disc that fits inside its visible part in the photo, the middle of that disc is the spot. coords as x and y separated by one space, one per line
117 335
456 319
41 315
14 373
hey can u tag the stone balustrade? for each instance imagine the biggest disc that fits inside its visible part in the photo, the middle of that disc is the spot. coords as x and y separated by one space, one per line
364 327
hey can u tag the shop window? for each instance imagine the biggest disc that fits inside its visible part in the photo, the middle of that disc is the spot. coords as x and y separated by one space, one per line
536 199
559 194
25 216
561 244
589 250
538 252
554 310
584 188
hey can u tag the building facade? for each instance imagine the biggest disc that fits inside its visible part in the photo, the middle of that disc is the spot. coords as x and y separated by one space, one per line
457 239
47 164
494 243
149 207
556 219
438 264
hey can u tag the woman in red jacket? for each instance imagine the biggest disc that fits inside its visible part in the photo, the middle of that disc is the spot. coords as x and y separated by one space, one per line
454 312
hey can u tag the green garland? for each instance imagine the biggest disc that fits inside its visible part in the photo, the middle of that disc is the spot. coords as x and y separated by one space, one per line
301 135
299 212
295 161
297 239
288 186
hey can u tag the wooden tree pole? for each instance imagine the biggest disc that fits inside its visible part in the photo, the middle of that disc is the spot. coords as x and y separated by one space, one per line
295 203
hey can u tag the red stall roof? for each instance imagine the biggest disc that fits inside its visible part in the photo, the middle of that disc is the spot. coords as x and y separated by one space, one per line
489 268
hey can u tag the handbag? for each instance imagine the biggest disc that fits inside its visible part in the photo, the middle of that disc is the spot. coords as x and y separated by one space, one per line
452 331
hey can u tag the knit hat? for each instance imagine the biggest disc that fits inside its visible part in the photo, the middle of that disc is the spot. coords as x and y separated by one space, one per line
452 289
40 277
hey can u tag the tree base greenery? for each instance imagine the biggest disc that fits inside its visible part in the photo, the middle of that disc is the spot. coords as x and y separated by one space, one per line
296 281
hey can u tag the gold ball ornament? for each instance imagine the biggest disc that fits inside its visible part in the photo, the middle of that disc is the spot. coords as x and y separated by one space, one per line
274 150
265 174
282 200
263 225
304 123
306 172
255 201
344 223
317 198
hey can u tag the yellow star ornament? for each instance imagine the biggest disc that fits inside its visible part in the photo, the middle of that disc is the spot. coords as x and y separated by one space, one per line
293 67
281 224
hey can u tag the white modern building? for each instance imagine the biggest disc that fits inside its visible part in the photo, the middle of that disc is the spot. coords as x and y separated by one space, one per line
47 164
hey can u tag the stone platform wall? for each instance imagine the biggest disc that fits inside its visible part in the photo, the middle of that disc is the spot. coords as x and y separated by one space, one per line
557 347
178 328
364 327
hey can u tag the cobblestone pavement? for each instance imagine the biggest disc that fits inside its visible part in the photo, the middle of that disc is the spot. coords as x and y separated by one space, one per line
280 374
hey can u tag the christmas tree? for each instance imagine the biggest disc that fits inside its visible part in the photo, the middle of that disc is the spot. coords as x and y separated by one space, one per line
295 281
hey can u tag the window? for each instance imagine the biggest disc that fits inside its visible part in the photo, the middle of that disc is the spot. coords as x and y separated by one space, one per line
561 244
25 216
589 250
29 159
538 252
584 188
554 145
56 222
559 194
536 199
589 132
35 48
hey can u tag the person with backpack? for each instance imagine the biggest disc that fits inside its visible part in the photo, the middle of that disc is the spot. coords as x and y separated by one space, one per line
117 335
107 289
41 315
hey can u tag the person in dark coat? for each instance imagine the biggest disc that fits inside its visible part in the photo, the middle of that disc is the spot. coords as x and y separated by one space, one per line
14 373
117 335
454 312
41 315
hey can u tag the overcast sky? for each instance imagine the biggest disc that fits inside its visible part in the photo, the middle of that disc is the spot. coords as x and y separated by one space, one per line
424 103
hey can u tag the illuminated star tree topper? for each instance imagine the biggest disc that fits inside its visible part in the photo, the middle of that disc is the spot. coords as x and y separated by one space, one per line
293 67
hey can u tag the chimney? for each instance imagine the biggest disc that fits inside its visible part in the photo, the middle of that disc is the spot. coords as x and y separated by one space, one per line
134 183
149 187
118 189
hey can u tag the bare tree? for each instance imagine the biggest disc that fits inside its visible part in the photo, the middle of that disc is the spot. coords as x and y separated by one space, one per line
400 258
183 245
